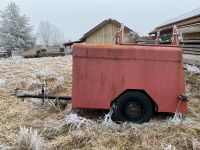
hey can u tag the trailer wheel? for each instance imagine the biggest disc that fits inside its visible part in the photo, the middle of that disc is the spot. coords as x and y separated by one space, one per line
133 107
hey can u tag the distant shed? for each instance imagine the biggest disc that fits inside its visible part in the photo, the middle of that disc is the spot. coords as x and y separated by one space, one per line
104 33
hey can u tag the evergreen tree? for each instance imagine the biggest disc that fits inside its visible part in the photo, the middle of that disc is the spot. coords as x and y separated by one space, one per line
15 31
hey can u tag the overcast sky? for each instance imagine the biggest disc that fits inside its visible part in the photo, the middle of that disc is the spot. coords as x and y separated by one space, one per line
76 17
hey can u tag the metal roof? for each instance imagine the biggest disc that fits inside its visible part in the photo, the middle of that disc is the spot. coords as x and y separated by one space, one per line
187 15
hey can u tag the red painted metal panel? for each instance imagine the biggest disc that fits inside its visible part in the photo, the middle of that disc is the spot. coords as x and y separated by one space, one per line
103 72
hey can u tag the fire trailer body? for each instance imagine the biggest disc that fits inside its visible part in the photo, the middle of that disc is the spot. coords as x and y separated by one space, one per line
137 79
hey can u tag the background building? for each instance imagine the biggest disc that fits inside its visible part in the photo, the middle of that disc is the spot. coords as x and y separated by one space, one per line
189 25
104 33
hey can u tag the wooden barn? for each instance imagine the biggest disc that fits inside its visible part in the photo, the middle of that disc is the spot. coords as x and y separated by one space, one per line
189 25
104 33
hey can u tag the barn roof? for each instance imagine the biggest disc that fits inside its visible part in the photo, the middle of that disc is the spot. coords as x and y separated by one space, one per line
189 15
115 22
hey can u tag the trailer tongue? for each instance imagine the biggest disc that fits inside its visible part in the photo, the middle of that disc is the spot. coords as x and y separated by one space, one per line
42 96
23 96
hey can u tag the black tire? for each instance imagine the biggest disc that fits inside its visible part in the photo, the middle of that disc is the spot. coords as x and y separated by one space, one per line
133 107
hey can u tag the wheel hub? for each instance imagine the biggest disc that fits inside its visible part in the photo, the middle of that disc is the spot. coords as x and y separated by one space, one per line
133 110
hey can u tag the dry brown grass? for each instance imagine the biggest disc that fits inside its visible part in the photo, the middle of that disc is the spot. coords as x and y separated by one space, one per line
67 130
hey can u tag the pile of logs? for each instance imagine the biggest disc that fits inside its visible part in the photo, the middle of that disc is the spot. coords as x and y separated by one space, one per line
42 53
5 53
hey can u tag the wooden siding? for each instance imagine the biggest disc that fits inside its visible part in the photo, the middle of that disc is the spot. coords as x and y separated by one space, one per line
106 35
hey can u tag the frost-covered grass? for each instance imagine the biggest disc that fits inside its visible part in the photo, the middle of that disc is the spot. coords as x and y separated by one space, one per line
192 69
69 129
103 133
193 85
27 139
2 82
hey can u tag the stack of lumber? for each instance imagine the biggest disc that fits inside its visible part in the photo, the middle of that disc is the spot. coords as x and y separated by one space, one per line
190 47
191 39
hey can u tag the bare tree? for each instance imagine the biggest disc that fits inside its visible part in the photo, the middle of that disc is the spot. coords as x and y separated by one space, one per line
49 34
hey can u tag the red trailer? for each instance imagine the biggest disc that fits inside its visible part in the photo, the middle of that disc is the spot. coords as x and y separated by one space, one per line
137 79
134 80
